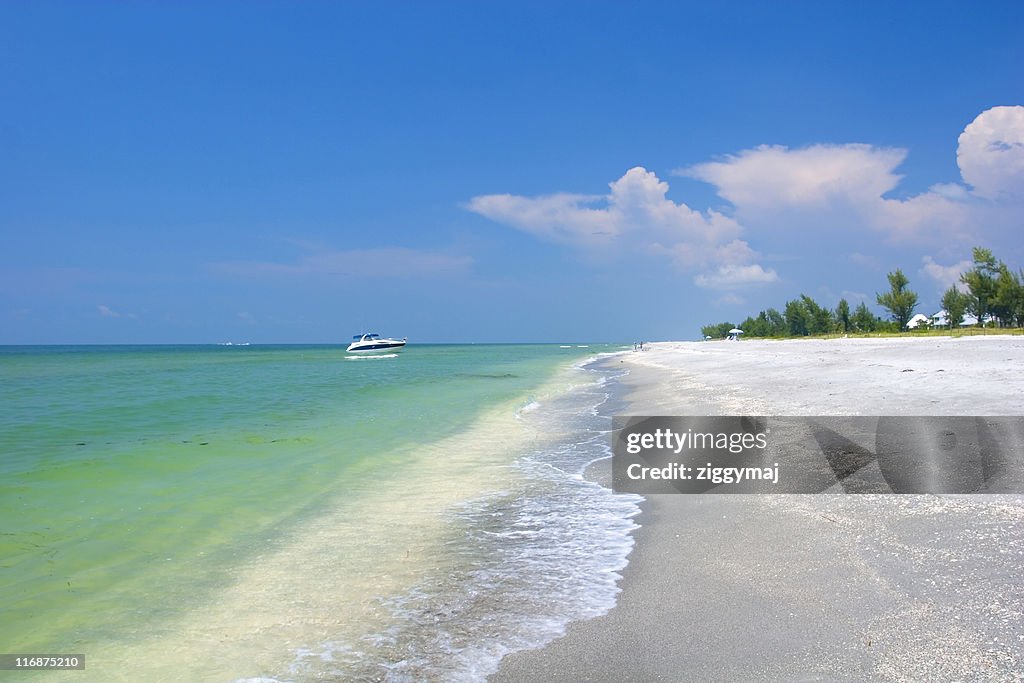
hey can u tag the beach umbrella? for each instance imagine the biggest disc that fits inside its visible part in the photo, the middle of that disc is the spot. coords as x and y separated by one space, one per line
735 330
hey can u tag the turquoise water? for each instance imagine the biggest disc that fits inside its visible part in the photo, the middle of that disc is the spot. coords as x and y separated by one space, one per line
288 500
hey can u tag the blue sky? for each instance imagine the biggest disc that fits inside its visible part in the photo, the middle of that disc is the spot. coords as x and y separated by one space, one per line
521 171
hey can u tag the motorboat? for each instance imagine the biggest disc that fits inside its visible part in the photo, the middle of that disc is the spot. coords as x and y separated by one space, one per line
374 343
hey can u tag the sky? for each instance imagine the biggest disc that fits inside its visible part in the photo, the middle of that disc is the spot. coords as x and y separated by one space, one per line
197 172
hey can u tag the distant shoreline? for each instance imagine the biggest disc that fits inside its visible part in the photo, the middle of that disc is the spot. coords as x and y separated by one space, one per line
924 334
955 333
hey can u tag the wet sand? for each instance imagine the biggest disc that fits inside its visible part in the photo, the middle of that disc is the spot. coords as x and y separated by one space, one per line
813 587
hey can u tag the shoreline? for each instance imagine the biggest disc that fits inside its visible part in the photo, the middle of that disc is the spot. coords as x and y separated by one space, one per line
811 587
439 512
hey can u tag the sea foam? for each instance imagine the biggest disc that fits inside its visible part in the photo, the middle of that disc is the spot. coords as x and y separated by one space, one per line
527 560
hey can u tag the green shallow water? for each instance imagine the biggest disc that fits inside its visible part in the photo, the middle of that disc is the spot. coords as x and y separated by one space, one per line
135 478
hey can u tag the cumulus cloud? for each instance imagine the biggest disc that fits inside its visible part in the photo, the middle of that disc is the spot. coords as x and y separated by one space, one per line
563 218
774 176
636 214
848 184
831 196
636 204
733 276
952 191
928 218
991 153
389 262
944 276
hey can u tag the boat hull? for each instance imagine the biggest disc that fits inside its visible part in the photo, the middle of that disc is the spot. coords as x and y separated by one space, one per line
376 347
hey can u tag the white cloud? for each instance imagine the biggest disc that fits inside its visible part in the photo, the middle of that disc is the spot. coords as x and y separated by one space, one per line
561 218
928 218
639 200
636 214
384 262
952 191
774 176
828 186
944 276
991 153
733 276
793 202
635 206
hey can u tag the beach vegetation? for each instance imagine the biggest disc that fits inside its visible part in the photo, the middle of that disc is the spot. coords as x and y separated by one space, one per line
844 320
776 321
804 317
796 319
769 323
719 331
900 300
981 284
1008 303
819 318
955 303
990 291
864 320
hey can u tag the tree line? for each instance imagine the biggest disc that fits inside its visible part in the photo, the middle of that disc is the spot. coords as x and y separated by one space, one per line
990 292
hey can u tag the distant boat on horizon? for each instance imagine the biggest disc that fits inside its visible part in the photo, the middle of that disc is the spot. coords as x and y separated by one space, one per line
371 342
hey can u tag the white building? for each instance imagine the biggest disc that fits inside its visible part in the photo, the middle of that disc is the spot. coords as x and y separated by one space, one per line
941 319
918 320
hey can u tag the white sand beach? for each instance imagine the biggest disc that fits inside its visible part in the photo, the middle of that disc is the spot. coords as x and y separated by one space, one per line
813 587
978 375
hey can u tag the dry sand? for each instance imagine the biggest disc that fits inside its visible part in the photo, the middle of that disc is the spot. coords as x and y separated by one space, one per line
813 587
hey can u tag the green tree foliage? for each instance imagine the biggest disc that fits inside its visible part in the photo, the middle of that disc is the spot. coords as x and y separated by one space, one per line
776 322
719 331
863 319
981 284
1008 303
955 302
843 320
990 292
796 318
1019 312
819 319
899 300
752 328
769 323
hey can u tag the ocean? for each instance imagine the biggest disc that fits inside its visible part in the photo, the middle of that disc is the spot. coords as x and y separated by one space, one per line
289 513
